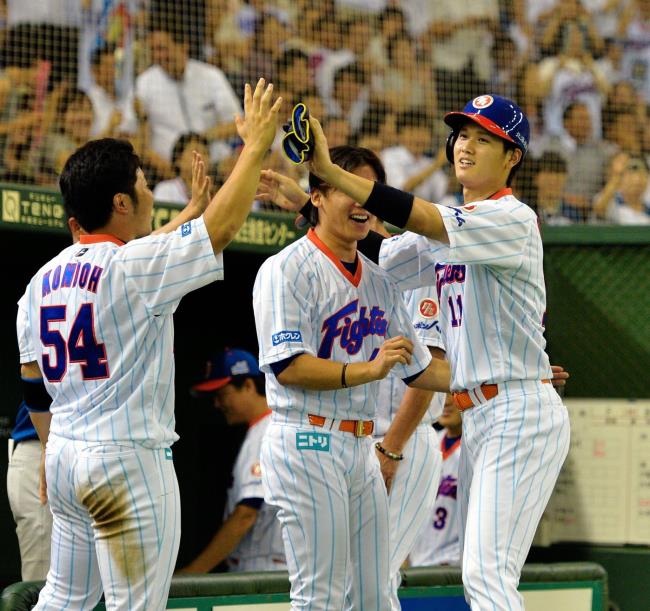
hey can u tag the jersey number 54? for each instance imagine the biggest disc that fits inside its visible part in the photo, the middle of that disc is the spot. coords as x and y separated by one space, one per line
81 346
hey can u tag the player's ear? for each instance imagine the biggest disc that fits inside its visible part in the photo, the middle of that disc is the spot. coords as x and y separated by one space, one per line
121 203
316 198
515 157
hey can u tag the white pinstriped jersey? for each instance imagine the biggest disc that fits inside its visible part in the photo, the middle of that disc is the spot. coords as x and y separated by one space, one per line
262 544
305 301
422 306
490 284
26 348
103 313
439 540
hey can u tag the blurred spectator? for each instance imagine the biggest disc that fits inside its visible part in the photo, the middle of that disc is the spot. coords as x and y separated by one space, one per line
293 75
70 130
624 132
611 61
114 113
461 38
390 22
378 128
569 77
249 537
179 190
409 166
227 36
313 101
351 95
179 95
264 49
543 184
354 48
528 20
622 199
338 131
570 15
507 63
51 29
407 82
634 30
606 15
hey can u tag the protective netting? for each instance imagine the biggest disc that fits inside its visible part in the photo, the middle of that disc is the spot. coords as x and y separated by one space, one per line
168 74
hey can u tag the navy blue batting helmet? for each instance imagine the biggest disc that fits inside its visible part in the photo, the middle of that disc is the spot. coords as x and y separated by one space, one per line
499 116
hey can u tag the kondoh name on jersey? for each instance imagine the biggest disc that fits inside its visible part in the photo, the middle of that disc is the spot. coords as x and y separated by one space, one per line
73 275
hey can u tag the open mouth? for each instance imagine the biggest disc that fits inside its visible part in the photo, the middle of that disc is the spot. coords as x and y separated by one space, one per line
465 163
359 217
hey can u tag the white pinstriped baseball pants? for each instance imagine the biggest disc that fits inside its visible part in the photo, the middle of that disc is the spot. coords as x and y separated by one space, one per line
116 526
412 499
513 448
334 513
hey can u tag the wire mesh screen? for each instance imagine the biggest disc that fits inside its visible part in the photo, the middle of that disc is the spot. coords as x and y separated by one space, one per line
169 76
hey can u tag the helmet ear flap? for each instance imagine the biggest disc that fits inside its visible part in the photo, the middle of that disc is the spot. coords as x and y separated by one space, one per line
449 147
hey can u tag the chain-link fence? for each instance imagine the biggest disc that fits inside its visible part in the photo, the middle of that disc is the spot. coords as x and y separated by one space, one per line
380 73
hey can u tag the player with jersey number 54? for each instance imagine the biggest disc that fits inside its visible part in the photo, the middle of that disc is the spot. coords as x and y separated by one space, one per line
100 324
330 324
485 258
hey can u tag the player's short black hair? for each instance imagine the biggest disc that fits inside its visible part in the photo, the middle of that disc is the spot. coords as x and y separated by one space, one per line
180 144
259 381
93 175
350 158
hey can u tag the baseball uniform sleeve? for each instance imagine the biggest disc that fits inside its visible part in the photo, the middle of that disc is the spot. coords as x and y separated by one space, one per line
400 324
422 306
25 345
283 314
410 260
249 477
163 268
493 233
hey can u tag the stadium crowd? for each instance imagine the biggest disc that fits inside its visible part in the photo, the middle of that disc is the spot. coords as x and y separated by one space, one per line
379 73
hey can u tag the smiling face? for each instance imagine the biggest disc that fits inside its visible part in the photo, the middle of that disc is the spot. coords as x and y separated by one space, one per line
481 161
339 216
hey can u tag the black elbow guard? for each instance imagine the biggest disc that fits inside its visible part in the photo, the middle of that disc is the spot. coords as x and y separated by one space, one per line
35 396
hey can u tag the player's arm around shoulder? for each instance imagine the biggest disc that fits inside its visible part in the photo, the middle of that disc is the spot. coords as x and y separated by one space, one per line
230 206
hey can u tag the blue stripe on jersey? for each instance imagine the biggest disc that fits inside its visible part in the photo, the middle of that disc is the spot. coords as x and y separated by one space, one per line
168 267
331 514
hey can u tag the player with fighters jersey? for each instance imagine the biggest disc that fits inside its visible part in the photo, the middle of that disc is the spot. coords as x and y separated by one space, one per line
100 321
485 259
329 324
439 540
249 537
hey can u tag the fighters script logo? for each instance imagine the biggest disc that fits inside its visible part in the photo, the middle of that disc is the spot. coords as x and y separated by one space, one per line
448 487
351 332
448 274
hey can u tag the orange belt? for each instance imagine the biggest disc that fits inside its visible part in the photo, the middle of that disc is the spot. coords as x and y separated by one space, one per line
359 428
465 399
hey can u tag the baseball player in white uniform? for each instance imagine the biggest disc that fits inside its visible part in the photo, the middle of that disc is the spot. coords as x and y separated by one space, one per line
329 324
439 540
100 322
249 538
485 258
414 484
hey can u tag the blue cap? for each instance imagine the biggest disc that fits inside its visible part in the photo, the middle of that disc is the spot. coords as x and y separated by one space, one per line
221 368
497 115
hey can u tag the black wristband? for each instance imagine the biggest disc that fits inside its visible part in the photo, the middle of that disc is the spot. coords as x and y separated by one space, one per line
344 383
35 395
389 204
370 245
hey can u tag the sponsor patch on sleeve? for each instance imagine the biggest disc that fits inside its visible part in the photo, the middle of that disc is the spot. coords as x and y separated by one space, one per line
286 336
186 229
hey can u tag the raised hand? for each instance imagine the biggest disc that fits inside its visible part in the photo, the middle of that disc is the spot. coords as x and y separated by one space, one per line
259 123
393 351
281 190
320 163
201 184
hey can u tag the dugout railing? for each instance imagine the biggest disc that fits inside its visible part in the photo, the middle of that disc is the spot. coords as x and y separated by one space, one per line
561 586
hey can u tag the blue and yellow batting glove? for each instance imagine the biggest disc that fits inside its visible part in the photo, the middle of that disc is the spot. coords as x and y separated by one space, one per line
298 142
